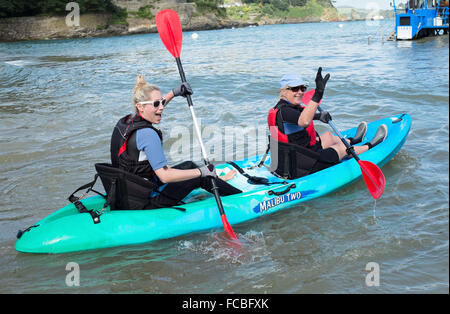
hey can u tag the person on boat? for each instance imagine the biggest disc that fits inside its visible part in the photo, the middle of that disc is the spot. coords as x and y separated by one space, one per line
136 147
302 151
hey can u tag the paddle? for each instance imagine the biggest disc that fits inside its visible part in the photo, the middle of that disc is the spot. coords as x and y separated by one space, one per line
372 175
169 29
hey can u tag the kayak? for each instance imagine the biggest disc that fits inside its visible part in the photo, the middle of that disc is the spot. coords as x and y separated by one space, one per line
68 230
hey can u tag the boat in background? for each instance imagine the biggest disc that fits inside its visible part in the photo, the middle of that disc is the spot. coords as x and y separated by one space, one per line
421 18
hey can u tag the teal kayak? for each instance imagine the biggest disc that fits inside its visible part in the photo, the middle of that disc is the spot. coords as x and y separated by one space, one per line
68 230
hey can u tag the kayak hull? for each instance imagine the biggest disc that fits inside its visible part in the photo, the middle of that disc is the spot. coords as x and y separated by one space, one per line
67 230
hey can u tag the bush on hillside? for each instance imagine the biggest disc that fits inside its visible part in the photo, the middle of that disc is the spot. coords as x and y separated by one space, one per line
16 8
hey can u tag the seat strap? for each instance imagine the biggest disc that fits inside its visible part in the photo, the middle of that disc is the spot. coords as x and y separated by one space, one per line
253 179
80 206
72 198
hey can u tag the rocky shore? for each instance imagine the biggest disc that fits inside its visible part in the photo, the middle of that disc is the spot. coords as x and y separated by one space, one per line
97 25
103 25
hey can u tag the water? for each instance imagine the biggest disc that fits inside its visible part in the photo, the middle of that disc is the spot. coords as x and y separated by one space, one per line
59 101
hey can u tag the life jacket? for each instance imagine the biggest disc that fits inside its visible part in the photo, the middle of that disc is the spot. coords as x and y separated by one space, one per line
124 152
128 181
292 155
287 133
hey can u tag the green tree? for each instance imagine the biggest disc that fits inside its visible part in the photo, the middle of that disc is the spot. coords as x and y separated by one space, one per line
281 5
12 8
298 3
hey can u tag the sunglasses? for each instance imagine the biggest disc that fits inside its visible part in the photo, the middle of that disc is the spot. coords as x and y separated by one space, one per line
295 89
155 103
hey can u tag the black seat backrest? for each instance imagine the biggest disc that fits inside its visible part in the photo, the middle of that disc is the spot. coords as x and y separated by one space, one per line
126 190
290 160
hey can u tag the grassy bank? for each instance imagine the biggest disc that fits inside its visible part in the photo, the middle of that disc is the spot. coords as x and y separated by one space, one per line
295 9
209 6
245 10
18 8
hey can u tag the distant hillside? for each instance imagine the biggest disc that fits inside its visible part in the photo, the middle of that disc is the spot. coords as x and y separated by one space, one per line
355 13
19 8
281 11
46 19
148 8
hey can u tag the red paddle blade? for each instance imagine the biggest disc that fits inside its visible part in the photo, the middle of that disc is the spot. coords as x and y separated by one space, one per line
169 29
373 177
228 228
308 96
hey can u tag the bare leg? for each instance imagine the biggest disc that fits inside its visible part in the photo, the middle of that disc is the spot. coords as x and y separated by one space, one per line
329 140
342 150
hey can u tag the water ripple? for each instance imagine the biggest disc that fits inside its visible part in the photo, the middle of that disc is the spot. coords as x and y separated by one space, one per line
59 101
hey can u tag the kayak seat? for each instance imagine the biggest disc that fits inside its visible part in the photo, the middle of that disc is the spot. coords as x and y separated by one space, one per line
292 161
124 190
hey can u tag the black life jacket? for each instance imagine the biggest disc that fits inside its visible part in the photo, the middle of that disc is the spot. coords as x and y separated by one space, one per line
293 155
296 134
128 182
124 152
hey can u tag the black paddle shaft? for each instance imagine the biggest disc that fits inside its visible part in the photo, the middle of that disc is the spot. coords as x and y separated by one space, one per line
214 188
350 148
183 79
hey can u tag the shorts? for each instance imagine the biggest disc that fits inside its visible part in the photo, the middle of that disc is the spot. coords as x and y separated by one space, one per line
328 157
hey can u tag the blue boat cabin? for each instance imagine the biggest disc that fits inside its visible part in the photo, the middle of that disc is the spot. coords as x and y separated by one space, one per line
421 18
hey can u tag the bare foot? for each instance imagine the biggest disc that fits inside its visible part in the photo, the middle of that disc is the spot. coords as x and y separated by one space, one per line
230 175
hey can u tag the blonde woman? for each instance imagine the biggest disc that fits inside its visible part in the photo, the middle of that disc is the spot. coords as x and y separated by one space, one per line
136 147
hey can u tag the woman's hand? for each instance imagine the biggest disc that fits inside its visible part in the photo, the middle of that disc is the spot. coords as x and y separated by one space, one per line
324 116
183 89
320 86
208 171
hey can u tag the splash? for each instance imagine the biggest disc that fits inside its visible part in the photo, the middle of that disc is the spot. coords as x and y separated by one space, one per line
374 216
219 247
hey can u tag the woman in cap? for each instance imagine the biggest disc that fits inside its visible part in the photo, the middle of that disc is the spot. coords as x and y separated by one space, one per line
294 124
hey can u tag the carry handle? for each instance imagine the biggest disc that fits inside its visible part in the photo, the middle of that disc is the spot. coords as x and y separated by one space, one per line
292 186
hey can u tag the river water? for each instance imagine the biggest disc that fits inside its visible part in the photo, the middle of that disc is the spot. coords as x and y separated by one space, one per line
60 99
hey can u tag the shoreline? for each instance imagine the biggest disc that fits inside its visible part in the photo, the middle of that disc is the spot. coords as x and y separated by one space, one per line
17 29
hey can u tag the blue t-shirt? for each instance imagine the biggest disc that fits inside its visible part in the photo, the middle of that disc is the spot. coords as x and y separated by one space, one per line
150 148
148 141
